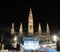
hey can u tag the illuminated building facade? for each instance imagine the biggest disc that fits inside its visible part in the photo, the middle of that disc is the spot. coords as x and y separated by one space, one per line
40 34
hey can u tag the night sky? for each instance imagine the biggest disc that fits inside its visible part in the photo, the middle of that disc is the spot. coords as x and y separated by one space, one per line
43 12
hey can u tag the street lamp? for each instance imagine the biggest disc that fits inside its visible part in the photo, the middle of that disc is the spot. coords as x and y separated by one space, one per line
15 38
15 41
55 38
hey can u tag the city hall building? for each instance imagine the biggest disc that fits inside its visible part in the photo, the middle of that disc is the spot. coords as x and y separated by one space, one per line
40 34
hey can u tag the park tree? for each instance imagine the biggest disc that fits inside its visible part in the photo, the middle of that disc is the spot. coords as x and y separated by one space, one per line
58 34
6 40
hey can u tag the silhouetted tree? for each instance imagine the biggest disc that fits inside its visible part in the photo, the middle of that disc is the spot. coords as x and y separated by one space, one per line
7 40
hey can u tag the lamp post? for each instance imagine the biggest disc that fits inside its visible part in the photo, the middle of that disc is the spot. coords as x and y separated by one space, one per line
55 38
15 38
15 41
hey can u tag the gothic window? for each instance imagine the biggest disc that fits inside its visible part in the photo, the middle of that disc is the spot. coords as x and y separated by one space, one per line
30 26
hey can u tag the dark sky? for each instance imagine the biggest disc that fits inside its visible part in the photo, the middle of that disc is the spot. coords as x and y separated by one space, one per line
43 12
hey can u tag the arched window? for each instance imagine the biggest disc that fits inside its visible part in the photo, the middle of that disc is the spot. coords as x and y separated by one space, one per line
30 26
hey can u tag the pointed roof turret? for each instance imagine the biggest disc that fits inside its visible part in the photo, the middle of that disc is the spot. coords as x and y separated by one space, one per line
21 28
30 14
47 28
12 28
30 11
39 29
30 22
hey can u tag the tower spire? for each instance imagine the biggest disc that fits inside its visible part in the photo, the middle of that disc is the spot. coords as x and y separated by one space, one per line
21 29
30 11
47 29
30 15
30 22
39 29
12 29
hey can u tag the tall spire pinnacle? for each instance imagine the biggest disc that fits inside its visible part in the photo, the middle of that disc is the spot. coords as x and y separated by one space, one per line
30 22
39 29
30 15
12 28
30 11
47 29
21 28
